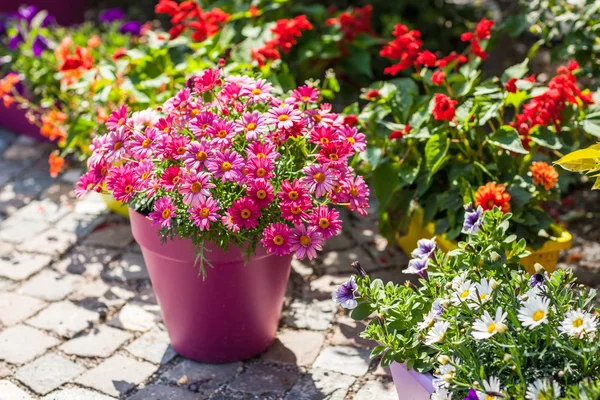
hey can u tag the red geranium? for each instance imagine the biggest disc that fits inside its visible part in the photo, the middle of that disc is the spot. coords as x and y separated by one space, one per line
444 108
188 14
285 33
438 78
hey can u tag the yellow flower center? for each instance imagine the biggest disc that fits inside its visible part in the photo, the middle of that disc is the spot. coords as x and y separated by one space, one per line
283 118
261 172
317 118
261 155
324 223
196 186
484 296
145 175
324 140
181 151
128 189
246 213
117 146
538 315
251 126
304 240
204 126
278 240
176 180
351 140
491 327
146 143
222 133
89 186
121 121
319 177
333 157
293 195
166 213
201 156
488 397
256 92
194 112
353 191
578 322
296 210
465 294
205 212
261 194
226 166
166 130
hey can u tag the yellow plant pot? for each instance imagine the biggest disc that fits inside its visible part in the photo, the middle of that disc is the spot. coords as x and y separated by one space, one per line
547 255
115 205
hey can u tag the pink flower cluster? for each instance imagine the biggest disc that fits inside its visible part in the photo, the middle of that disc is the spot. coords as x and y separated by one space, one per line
226 157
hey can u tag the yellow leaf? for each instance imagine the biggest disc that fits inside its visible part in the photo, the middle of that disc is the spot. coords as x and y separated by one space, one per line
581 160
596 184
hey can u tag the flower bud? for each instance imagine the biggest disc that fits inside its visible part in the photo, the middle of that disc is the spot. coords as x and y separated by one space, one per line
494 284
518 329
561 373
443 359
507 357
359 270
513 367
448 285
448 378
475 383
501 328
524 297
445 303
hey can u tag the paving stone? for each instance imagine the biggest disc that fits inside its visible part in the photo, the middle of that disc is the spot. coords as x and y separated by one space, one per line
52 242
340 262
92 204
10 170
10 391
4 370
16 230
20 343
324 286
206 377
15 308
377 390
261 379
134 318
346 333
98 342
76 393
386 254
86 260
319 384
153 346
51 286
24 189
48 373
313 315
344 359
110 235
64 318
302 268
90 290
341 241
295 347
80 224
224 393
5 248
18 266
46 211
117 375
24 148
130 267
60 192
72 176
163 392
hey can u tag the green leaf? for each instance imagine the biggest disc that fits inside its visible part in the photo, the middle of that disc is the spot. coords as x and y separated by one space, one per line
507 138
360 61
351 109
362 311
546 138
591 126
435 153
408 172
385 177
516 71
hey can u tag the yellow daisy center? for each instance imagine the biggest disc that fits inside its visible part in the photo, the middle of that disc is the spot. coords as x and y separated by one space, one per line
246 213
578 322
196 186
128 189
353 191
205 212
117 145
201 156
491 327
222 134
333 157
324 140
319 177
256 92
146 143
278 240
304 240
181 151
351 140
283 118
324 223
465 294
166 213
251 126
293 195
261 194
145 175
226 166
261 172
538 315
317 118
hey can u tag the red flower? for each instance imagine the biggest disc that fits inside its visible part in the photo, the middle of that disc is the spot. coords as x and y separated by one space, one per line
188 14
478 51
253 11
119 53
491 195
399 134
405 47
166 7
573 65
438 78
511 85
483 29
426 58
285 33
354 22
372 94
444 108
350 120
466 37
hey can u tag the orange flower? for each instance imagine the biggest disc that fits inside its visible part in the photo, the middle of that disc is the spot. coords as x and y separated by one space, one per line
101 115
491 195
6 87
73 64
544 174
94 42
51 125
56 164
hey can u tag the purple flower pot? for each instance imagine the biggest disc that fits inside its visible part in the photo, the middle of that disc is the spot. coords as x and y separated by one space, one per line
231 315
410 384
13 119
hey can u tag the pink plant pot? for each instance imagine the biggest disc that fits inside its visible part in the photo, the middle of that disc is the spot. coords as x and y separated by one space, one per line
231 315
14 120
410 384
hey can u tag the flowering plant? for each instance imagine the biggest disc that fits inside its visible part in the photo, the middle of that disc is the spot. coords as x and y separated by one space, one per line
227 161
478 322
446 136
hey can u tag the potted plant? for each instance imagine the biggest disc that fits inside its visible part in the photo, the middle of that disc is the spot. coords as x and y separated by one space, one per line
477 323
229 183
447 136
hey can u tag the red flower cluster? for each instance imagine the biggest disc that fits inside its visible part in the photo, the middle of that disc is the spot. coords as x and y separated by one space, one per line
188 14
353 22
444 108
483 31
546 108
285 33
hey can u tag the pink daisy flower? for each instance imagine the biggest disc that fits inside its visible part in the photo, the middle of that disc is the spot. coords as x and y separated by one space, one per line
284 116
230 93
222 131
296 211
165 125
245 213
305 94
195 187
171 177
116 145
305 242
152 187
276 239
319 179
207 80
335 153
358 194
260 168
98 147
140 120
326 221
141 144
323 135
177 103
261 191
163 212
122 182
226 165
197 153
87 182
253 125
227 221
292 193
175 146
352 136
205 212
323 116
200 124
259 91
262 150
117 119
144 172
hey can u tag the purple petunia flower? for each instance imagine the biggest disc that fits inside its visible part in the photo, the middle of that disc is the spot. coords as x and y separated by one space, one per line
418 266
437 308
15 40
111 15
344 294
472 395
27 13
49 19
38 45
132 27
425 249
536 279
473 220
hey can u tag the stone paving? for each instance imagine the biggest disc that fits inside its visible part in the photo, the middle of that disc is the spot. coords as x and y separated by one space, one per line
79 320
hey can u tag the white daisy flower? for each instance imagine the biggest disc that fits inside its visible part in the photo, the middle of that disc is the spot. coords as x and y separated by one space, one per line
466 291
437 333
486 326
577 323
483 291
459 280
492 389
427 321
441 394
444 376
541 389
534 312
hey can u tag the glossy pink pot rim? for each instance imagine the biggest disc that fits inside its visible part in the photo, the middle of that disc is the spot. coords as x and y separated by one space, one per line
410 384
